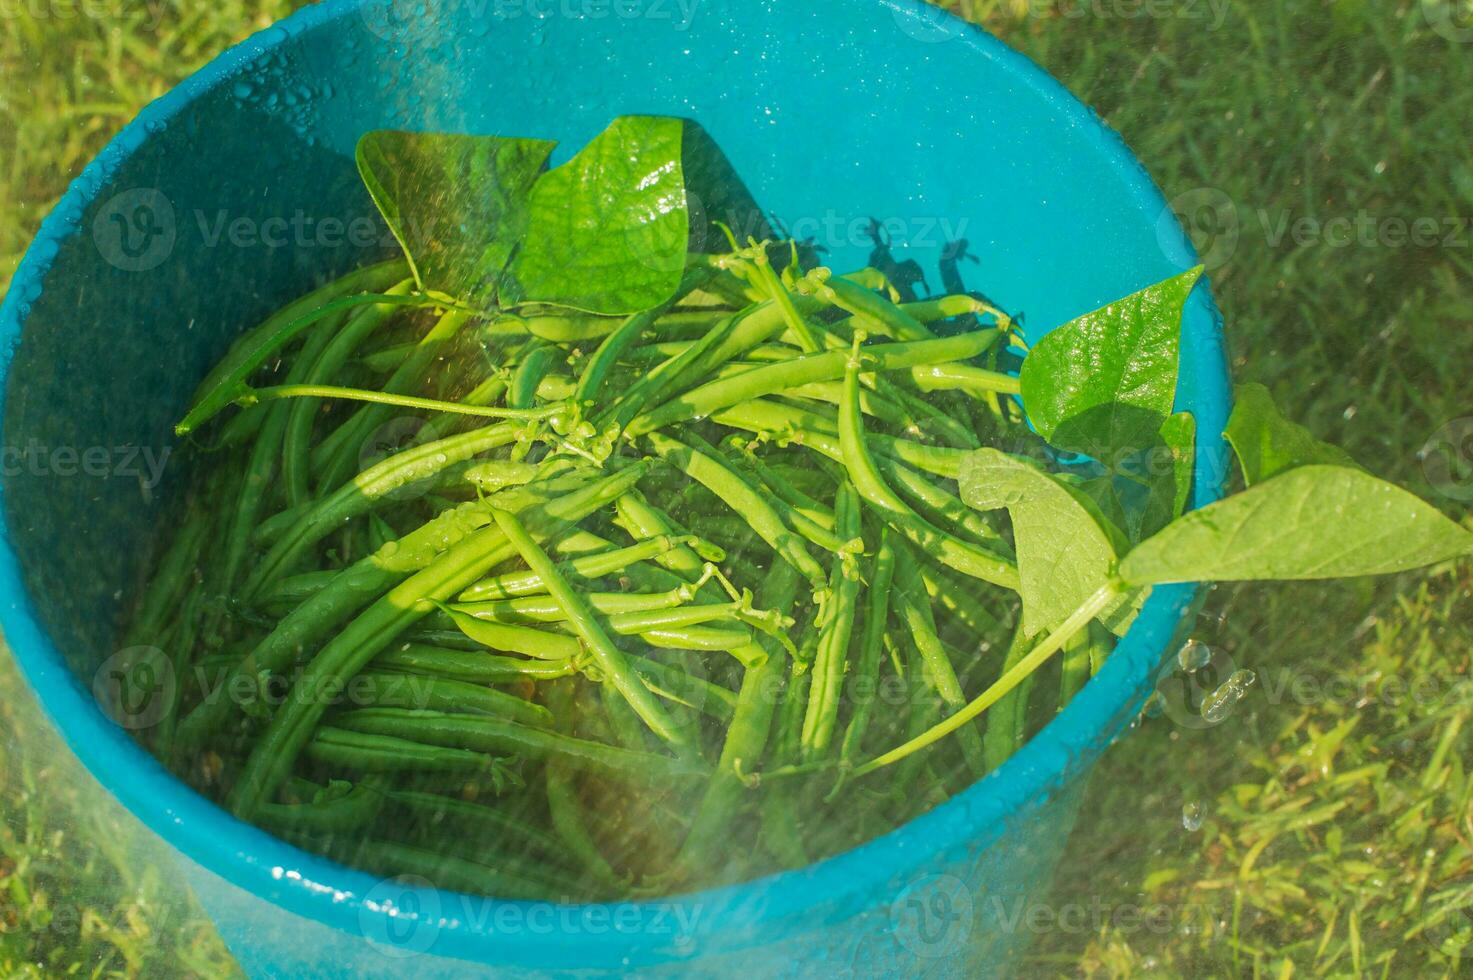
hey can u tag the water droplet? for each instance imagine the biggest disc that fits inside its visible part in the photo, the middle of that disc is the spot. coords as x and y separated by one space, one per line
1220 703
1193 656
1191 816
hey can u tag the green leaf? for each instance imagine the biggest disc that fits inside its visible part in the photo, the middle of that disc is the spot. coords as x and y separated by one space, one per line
1313 522
1108 493
1266 443
1179 437
1064 551
610 229
457 204
715 194
1146 492
1103 384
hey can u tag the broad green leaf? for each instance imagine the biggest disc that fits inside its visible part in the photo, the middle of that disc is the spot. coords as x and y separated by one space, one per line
610 229
1108 492
1266 443
1313 522
457 204
1064 551
1179 437
716 194
1145 492
1103 384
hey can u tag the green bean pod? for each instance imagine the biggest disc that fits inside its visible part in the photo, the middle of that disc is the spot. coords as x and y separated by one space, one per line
390 690
865 680
471 666
699 638
517 584
344 595
365 490
871 311
915 611
497 736
949 550
565 809
747 736
375 629
535 643
808 369
831 659
609 658
719 479
349 812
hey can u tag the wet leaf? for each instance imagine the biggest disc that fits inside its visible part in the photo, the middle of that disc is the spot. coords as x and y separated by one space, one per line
1065 552
457 204
611 228
1103 384
1266 443
1313 522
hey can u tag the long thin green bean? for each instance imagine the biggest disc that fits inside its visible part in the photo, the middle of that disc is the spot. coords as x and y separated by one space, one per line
374 630
609 658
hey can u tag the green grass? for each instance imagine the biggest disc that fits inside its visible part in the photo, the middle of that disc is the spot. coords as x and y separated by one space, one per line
1337 833
85 890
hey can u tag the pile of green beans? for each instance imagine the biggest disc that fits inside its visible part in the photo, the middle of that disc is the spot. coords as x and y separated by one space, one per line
549 605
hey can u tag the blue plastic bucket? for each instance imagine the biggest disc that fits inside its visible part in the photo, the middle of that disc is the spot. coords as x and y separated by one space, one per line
237 190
